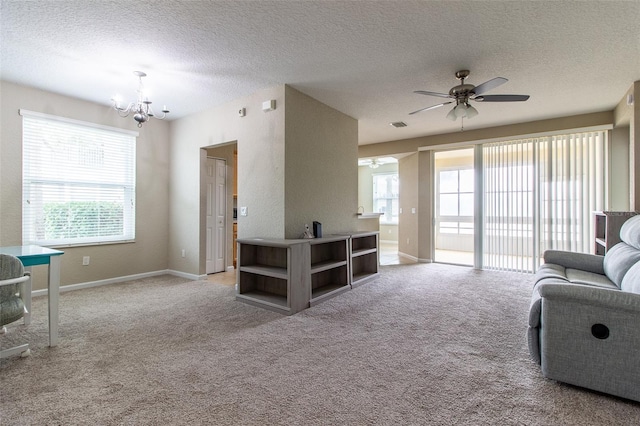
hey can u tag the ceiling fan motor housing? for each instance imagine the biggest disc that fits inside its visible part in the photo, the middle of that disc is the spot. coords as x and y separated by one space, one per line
462 91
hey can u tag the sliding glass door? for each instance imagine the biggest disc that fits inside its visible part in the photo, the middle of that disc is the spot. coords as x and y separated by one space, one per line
529 195
540 194
454 207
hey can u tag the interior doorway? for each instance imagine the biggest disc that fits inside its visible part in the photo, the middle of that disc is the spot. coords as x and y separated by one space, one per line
217 202
379 192
454 216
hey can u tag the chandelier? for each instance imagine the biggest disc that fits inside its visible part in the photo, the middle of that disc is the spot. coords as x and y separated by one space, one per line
141 108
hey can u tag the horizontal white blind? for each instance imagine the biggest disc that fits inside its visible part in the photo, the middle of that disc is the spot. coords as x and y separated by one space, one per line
78 183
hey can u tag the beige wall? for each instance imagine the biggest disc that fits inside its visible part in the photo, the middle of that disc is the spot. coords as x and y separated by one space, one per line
408 226
425 206
321 173
260 141
461 138
149 252
627 121
311 137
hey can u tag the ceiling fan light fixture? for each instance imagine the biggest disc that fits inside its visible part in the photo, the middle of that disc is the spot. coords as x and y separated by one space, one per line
461 110
452 114
471 111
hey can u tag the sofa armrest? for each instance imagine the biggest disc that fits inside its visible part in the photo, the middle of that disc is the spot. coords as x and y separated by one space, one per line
596 297
568 259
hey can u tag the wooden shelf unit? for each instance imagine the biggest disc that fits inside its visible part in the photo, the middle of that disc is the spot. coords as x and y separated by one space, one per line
607 229
288 276
364 257
271 274
329 267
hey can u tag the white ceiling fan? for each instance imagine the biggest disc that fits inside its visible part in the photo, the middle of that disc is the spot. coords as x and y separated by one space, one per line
463 93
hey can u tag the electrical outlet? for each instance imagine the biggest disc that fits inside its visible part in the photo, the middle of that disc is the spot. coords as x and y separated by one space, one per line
86 260
184 253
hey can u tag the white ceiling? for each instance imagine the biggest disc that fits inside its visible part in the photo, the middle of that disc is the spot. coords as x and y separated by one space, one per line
364 58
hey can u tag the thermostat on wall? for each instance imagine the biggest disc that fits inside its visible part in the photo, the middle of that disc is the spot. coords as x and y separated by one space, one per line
269 105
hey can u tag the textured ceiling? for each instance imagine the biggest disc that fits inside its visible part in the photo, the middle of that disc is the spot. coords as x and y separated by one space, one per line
364 58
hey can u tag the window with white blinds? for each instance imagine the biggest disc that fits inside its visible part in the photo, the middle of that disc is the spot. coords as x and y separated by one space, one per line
540 194
79 183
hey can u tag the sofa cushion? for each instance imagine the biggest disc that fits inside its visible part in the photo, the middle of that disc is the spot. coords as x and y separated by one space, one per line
630 232
550 270
577 276
569 259
631 280
618 260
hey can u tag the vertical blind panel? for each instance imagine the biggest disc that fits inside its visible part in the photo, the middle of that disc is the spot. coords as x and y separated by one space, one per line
508 214
78 183
540 194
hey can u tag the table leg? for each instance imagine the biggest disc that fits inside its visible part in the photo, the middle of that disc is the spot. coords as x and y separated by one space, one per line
27 288
53 293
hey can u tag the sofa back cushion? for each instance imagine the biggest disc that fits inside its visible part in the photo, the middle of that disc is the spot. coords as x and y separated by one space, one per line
630 232
618 260
631 280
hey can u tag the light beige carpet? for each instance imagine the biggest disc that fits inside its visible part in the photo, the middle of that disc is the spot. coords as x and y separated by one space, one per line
423 344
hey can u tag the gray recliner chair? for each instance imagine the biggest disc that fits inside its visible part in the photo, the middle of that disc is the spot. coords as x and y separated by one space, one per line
584 317
12 298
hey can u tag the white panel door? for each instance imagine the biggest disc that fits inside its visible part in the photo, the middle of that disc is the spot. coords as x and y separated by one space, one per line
221 208
216 217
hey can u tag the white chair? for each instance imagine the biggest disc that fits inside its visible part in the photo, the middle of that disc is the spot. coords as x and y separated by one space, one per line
15 297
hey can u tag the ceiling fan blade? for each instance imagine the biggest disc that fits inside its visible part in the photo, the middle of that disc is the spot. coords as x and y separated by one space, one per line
425 92
501 98
431 107
488 85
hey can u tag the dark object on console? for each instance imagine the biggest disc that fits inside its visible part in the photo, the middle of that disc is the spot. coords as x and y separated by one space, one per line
317 229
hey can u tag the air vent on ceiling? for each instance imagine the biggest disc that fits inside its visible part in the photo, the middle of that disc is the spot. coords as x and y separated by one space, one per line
399 124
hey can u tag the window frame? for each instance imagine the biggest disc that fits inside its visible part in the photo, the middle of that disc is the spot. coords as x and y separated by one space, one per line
74 188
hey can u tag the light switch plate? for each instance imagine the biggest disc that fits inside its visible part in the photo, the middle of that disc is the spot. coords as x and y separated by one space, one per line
243 211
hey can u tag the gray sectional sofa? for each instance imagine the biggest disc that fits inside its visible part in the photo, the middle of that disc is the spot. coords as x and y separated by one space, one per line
584 318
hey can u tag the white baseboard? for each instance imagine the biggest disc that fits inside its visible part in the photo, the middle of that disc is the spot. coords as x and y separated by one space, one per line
180 274
389 241
230 268
125 278
415 259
